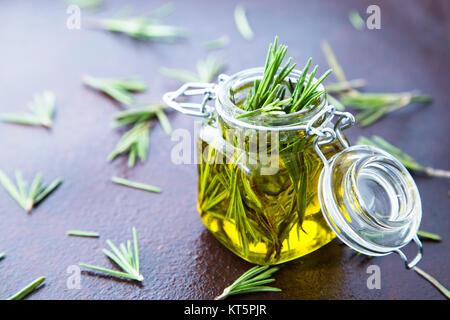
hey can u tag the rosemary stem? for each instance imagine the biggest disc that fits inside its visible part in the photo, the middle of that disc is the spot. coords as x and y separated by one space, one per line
433 281
437 173
27 290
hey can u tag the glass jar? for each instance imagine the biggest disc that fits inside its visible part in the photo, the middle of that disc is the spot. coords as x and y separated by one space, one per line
272 188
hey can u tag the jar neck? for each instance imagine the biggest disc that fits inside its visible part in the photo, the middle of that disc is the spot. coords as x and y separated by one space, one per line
234 90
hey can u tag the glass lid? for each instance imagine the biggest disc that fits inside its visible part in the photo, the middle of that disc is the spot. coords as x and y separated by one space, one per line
370 200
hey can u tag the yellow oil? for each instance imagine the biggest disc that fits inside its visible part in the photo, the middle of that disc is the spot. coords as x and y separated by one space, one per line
273 224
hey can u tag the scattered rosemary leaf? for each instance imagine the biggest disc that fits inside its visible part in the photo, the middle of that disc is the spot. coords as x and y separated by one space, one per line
139 114
86 4
28 289
218 43
35 194
127 258
79 233
145 27
119 89
433 281
253 280
424 235
135 142
240 18
373 106
207 70
404 158
2 255
356 20
136 185
42 107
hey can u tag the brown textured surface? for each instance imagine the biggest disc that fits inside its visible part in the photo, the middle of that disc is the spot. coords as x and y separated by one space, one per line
179 257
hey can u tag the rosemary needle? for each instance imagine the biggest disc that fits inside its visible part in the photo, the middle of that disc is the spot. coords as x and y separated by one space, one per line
86 4
424 235
27 199
127 258
42 107
2 255
253 280
218 43
404 158
356 20
28 289
79 233
136 185
240 18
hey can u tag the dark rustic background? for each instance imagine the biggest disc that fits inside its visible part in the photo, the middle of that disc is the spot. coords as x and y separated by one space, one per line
179 257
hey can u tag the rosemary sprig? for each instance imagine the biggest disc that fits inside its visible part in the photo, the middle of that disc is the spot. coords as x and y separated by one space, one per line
207 70
404 158
119 89
135 115
28 289
356 20
376 105
27 199
253 280
135 142
373 105
218 43
424 235
240 18
145 27
127 258
433 281
136 185
42 107
79 233
268 95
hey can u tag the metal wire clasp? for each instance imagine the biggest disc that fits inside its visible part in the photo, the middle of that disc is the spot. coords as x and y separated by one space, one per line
192 89
325 133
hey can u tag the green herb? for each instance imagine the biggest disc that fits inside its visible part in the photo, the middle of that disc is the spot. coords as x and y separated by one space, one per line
135 115
135 185
135 142
268 95
356 20
27 199
240 18
42 107
433 281
145 27
79 233
218 43
28 289
207 70
87 4
404 158
119 89
2 255
424 235
372 105
253 280
376 105
127 258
